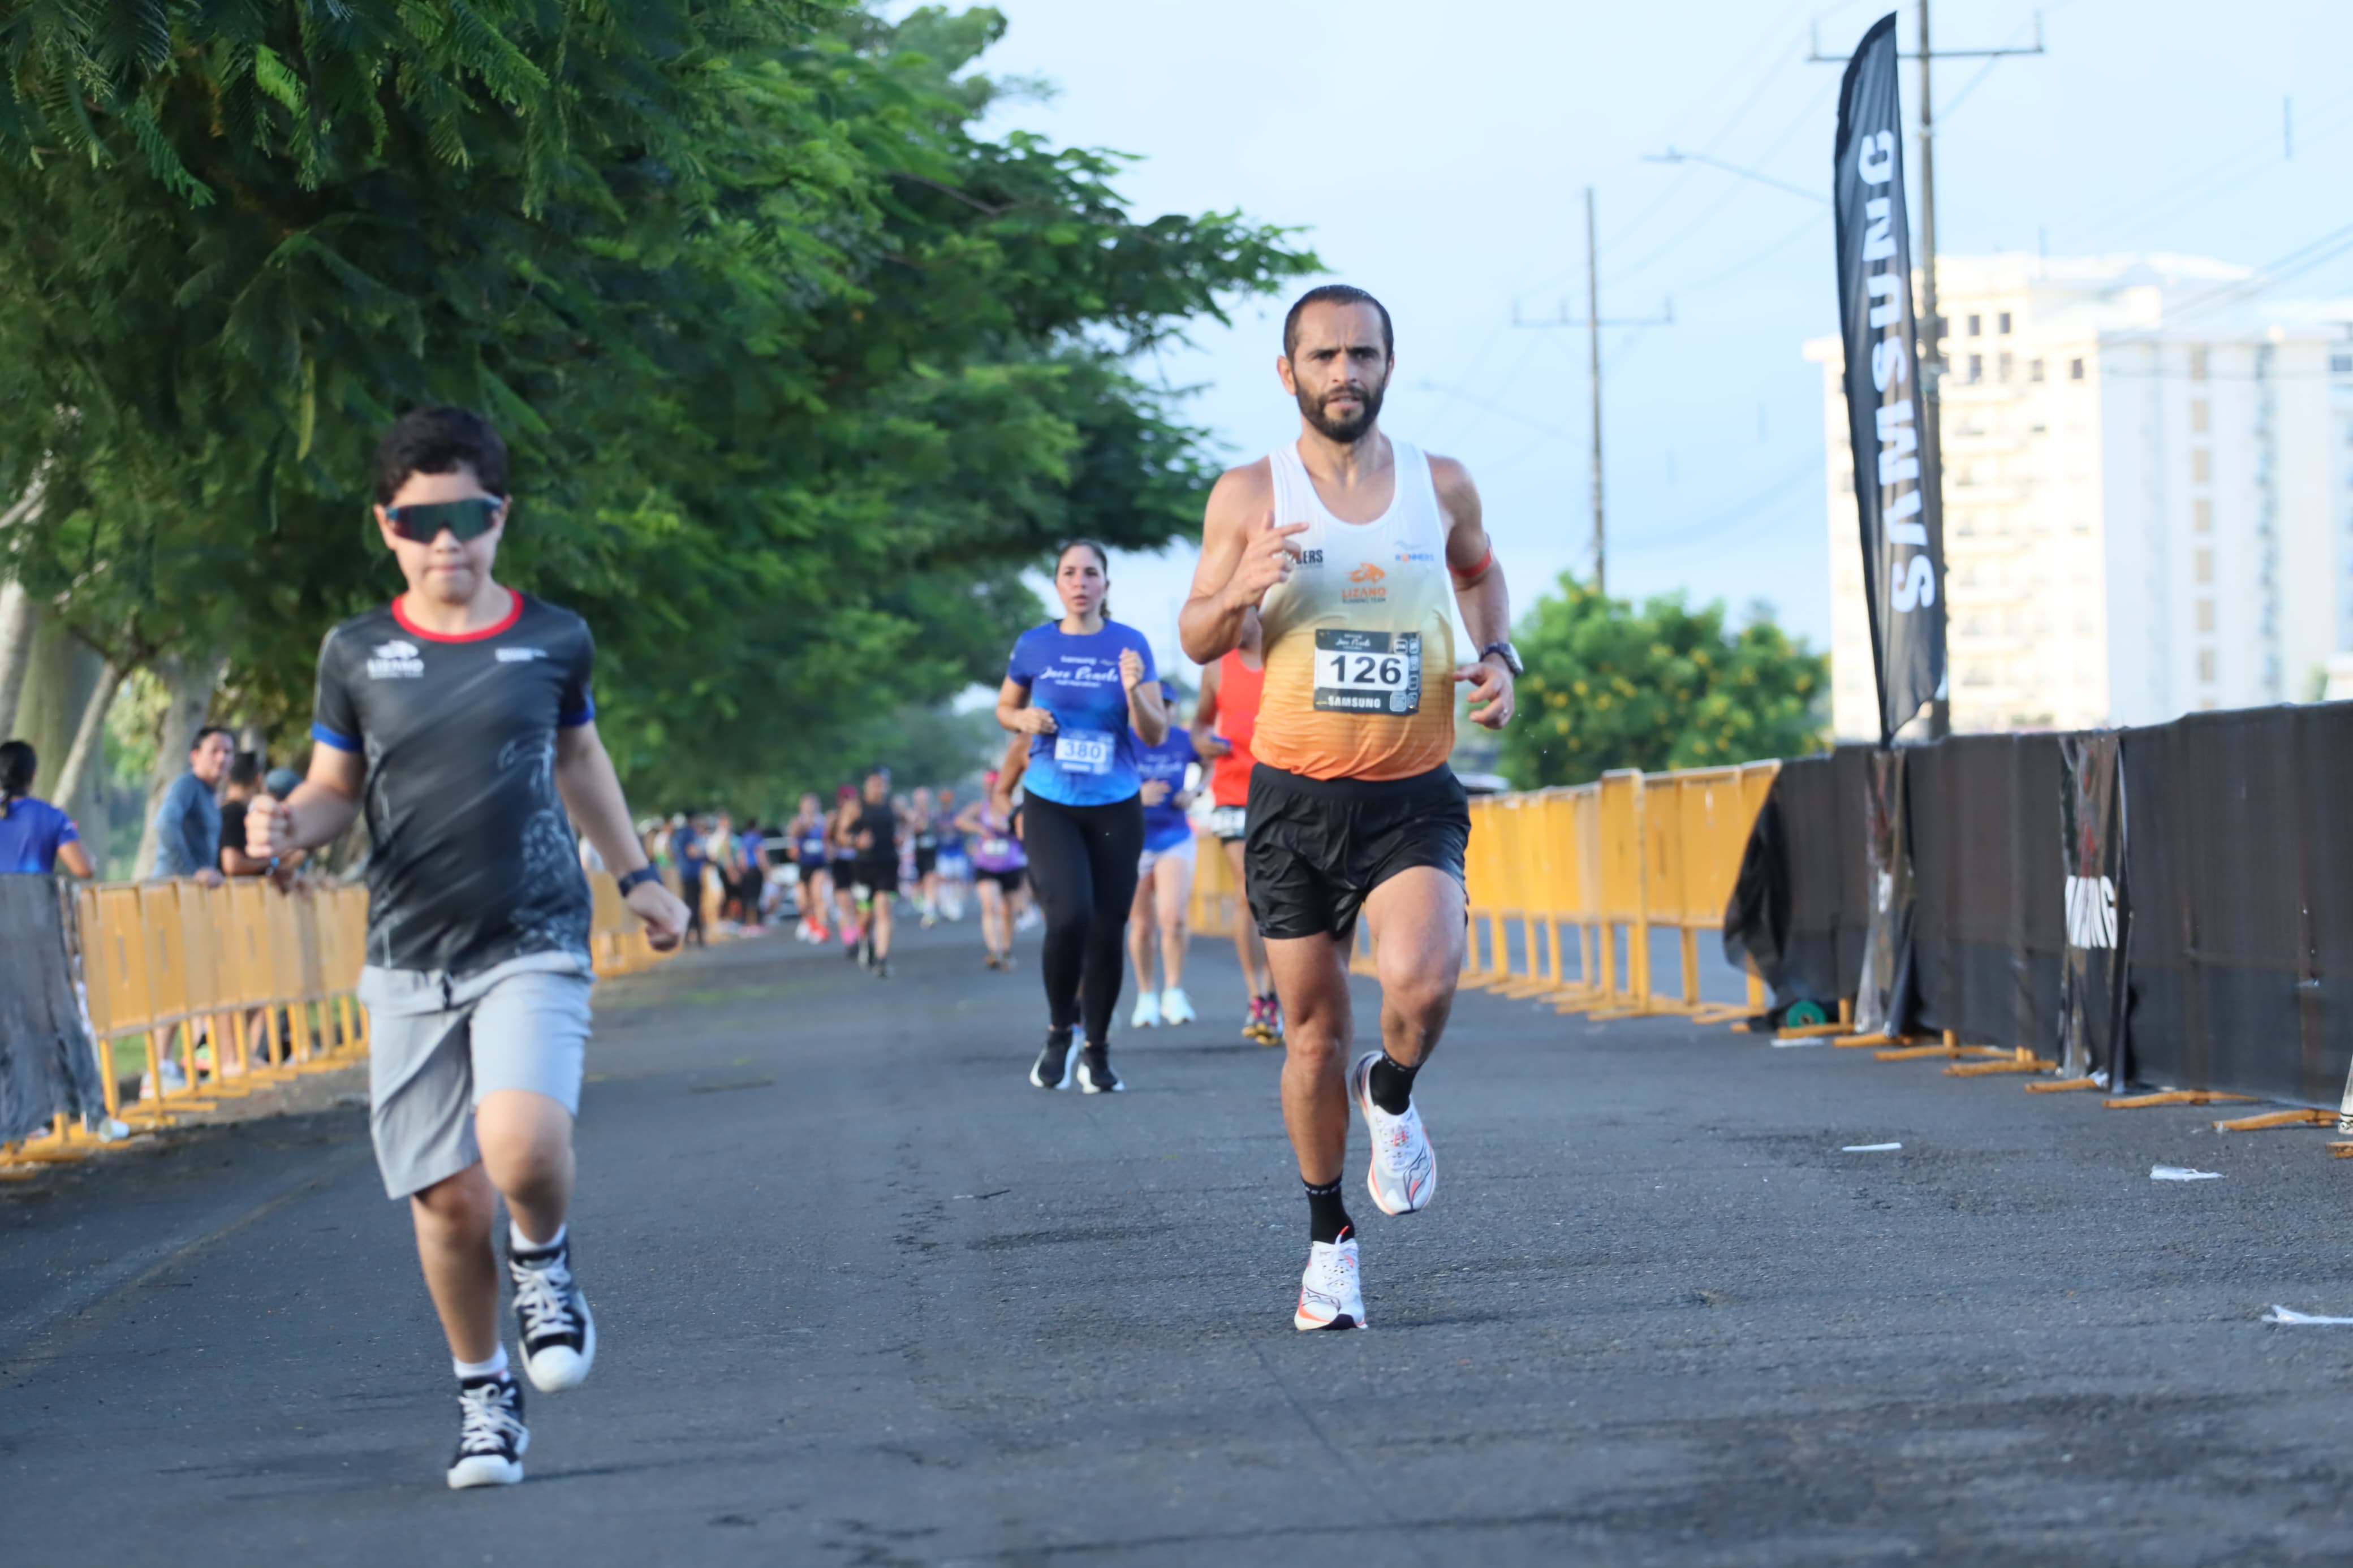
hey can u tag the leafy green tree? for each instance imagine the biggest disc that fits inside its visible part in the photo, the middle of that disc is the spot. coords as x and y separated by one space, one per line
800 371
1613 685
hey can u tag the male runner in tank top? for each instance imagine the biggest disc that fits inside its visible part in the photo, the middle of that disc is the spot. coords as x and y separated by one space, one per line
1353 549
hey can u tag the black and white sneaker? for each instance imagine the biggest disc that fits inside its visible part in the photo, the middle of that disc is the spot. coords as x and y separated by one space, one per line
559 1337
1054 1066
1095 1075
492 1436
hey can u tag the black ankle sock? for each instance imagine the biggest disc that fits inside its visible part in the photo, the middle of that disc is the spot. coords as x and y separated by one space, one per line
1327 1218
1391 1086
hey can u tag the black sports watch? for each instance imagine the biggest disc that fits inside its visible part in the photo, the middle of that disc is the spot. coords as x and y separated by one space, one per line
631 881
1511 657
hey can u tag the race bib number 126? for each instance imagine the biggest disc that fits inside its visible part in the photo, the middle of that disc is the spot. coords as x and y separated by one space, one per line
1368 672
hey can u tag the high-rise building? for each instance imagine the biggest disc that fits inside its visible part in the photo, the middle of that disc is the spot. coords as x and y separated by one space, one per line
2148 495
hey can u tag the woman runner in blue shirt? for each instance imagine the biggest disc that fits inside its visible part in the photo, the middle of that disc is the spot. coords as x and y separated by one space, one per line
35 836
1083 689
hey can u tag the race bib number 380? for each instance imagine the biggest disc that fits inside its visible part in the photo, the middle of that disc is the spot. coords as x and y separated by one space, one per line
1083 750
1368 672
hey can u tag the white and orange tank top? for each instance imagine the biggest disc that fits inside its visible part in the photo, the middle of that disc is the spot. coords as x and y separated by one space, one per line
1360 641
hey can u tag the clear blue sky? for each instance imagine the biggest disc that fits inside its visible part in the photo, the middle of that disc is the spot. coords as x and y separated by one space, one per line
1436 154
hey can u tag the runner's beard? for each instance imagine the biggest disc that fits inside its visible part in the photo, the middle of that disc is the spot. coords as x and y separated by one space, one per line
1368 399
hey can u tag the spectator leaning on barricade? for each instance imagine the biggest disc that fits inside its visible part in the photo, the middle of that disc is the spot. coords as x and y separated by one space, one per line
36 838
245 781
188 822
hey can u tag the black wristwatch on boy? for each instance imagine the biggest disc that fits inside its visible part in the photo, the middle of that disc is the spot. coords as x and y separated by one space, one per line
631 881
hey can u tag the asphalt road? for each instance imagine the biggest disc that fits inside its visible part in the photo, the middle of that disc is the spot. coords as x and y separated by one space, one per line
865 1297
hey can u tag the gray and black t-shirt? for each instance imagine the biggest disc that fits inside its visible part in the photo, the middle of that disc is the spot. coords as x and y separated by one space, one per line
470 861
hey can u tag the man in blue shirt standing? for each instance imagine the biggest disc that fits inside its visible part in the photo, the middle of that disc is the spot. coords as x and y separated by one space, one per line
188 822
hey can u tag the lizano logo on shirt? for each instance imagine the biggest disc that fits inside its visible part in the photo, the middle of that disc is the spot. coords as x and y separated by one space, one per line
395 659
1365 576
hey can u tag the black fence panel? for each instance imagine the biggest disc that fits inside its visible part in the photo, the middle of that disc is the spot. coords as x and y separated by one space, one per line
1803 903
1992 921
2239 855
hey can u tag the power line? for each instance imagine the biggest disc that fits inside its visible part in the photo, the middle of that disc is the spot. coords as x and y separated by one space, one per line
1672 156
1805 117
1812 222
1743 511
1723 130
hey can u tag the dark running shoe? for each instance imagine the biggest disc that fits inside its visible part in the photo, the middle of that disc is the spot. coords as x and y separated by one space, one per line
1054 1066
1095 1075
492 1436
559 1337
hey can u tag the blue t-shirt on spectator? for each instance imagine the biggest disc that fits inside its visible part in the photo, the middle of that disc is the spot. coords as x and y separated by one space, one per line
1089 758
30 833
1166 826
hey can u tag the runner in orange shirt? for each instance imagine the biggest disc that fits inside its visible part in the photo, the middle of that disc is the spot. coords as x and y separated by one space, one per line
1222 725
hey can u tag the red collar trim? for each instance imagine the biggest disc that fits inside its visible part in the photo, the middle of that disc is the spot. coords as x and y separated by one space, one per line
514 614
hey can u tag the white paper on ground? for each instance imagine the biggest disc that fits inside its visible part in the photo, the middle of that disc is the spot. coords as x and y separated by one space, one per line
2182 1173
2288 1315
1869 1148
1797 1045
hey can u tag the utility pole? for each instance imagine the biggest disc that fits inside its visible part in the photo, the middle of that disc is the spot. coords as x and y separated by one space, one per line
1931 352
1593 359
1593 323
1931 325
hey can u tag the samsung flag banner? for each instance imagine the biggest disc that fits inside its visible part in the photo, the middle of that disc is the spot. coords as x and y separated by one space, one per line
1894 486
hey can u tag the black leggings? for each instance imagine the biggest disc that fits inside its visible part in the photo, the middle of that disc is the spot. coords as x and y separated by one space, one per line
1082 862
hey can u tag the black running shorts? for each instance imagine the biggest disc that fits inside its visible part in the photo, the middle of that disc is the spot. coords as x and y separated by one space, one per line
1316 848
927 862
876 876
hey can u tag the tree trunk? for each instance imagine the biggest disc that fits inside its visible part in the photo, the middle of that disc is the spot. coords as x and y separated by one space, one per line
19 616
188 682
89 736
63 671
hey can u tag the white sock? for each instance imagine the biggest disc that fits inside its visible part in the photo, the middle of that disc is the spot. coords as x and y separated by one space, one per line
518 1242
490 1368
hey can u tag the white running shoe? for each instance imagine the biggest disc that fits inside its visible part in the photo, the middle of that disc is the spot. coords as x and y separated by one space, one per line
1330 1296
1176 1007
491 1437
1148 1010
559 1336
1404 1174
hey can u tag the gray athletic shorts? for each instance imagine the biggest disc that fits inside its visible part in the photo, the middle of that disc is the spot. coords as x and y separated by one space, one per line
438 1045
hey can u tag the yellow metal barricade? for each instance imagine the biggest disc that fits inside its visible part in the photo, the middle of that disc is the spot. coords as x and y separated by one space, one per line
616 942
1216 902
215 991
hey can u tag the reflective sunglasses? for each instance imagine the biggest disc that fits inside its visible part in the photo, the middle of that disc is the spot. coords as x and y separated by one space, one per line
422 523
